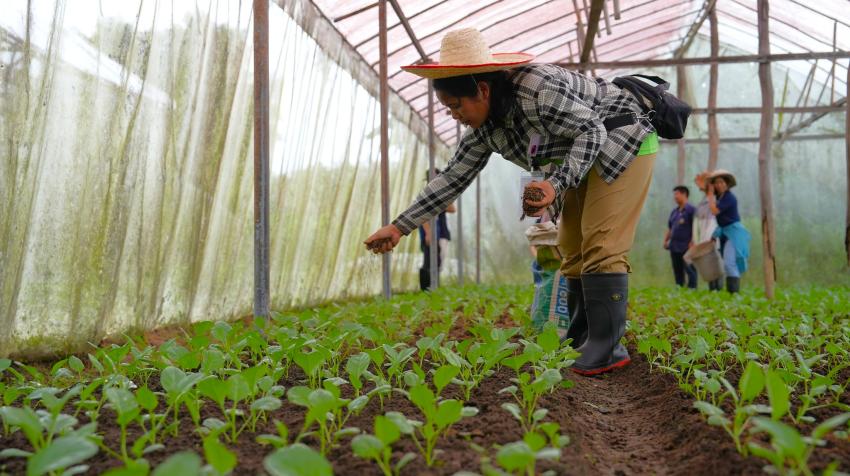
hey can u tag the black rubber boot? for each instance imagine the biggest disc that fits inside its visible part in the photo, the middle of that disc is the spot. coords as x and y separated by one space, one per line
605 300
733 285
714 285
578 316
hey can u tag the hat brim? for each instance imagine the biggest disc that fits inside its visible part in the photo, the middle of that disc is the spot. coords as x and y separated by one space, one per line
730 179
438 71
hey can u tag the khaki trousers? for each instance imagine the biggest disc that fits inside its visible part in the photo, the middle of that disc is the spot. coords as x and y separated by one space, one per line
599 220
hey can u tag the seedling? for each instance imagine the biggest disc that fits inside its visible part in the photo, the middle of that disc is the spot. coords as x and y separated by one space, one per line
378 447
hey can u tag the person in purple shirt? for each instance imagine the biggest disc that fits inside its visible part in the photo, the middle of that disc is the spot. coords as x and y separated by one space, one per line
679 237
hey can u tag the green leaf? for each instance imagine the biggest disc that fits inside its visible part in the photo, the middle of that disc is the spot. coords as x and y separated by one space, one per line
423 397
146 398
76 364
266 404
549 339
170 379
513 409
5 364
184 463
297 460
448 412
213 361
218 456
299 395
401 422
830 424
386 430
752 381
443 376
367 446
515 456
213 388
782 436
778 394
237 388
25 419
534 440
63 452
122 400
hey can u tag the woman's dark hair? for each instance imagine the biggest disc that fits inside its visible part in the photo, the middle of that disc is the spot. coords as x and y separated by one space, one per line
501 90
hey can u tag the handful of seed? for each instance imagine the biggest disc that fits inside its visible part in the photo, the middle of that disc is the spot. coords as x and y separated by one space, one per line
378 244
530 194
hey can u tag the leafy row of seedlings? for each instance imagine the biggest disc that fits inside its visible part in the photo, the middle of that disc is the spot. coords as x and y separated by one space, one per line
365 350
789 355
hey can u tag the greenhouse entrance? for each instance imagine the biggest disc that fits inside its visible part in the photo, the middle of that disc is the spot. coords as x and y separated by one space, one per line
436 237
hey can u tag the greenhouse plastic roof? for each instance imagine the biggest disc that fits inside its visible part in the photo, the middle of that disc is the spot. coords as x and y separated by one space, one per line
645 29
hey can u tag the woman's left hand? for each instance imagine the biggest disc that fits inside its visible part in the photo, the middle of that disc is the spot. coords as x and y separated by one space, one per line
548 197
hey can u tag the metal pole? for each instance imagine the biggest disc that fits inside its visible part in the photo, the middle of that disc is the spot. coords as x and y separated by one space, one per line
460 275
385 139
765 145
478 230
434 247
681 87
261 158
847 151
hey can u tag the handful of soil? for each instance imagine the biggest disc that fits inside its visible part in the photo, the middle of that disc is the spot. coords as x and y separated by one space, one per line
532 194
378 244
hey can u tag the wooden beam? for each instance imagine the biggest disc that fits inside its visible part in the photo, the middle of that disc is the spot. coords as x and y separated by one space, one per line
592 28
764 154
606 17
352 13
750 140
409 30
708 7
847 160
837 106
774 58
385 140
713 132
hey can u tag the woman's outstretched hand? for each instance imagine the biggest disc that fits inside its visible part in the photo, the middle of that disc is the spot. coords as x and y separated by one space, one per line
548 197
383 240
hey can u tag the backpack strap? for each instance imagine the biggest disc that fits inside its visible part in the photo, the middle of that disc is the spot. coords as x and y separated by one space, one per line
655 79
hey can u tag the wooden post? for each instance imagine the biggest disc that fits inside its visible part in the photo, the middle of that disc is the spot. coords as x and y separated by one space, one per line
847 148
434 245
385 139
261 159
765 144
681 91
478 230
713 135
460 270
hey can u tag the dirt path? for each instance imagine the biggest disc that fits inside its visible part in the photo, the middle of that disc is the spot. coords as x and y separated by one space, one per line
636 422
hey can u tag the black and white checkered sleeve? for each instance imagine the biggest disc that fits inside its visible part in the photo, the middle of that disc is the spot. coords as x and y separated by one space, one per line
469 159
562 112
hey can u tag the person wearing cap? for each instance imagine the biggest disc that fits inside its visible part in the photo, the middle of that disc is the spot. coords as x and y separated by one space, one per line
734 238
596 148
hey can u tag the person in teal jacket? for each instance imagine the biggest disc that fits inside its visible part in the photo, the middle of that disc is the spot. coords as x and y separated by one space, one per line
734 238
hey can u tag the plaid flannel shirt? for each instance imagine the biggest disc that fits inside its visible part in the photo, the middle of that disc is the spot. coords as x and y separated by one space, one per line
567 111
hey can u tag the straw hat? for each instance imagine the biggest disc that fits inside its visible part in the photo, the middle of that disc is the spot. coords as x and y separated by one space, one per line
463 52
730 178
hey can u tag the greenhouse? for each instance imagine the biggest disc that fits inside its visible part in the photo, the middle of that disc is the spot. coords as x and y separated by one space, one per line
436 237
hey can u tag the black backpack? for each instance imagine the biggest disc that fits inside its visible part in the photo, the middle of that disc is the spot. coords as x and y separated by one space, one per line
668 114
